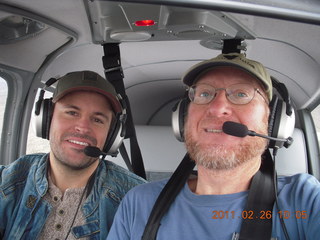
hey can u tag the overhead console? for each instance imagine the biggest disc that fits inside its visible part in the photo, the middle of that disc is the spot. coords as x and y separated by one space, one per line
123 22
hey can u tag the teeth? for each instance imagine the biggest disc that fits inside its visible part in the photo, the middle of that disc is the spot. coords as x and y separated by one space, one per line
80 143
214 130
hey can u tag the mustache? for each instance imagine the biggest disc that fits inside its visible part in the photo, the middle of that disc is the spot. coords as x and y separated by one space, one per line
82 136
213 120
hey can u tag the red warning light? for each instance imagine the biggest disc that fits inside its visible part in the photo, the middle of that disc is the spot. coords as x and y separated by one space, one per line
144 23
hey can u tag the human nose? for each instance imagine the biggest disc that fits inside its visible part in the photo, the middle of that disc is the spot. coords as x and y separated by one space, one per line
219 105
82 125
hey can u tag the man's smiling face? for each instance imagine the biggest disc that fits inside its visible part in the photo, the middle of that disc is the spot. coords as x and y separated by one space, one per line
79 119
205 141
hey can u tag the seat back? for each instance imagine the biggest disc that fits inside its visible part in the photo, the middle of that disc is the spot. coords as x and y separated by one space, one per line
293 160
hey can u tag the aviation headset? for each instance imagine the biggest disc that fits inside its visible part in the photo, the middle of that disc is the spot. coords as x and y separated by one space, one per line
43 116
281 119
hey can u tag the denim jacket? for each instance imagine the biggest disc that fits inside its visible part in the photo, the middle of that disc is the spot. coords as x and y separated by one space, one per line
23 212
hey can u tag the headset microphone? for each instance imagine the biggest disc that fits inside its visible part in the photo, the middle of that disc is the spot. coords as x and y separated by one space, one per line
93 152
235 129
240 130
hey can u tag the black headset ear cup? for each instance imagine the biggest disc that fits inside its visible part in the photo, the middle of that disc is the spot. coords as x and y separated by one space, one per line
179 113
43 118
115 136
47 112
274 119
273 108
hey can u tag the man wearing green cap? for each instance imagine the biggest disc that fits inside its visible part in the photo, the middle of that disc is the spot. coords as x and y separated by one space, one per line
68 194
212 205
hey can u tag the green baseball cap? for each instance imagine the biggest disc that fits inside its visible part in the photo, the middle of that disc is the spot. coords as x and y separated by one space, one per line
86 81
237 60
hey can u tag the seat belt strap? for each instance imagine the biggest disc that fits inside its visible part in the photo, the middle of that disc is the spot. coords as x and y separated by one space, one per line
167 196
124 154
260 203
113 72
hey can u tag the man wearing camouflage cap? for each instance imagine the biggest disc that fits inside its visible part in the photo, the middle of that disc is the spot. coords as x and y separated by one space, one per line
67 194
213 204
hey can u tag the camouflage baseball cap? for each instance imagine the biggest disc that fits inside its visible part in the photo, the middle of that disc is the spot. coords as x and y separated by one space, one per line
237 60
86 81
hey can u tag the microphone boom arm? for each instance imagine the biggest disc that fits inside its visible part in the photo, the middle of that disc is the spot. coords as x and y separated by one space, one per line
253 133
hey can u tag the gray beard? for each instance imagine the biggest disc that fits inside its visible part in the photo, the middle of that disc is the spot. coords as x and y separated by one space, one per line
221 157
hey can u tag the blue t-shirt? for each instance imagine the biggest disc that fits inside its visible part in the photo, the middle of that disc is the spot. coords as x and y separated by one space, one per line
218 217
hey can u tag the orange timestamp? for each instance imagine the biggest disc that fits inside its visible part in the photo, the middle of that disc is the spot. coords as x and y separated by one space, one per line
249 214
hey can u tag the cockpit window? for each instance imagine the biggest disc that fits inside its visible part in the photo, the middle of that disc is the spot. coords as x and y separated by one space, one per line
3 99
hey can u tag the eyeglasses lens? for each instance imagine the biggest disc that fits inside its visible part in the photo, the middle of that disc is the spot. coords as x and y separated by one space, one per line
236 94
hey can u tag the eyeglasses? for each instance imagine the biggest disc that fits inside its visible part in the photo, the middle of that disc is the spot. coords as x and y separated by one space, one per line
237 93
